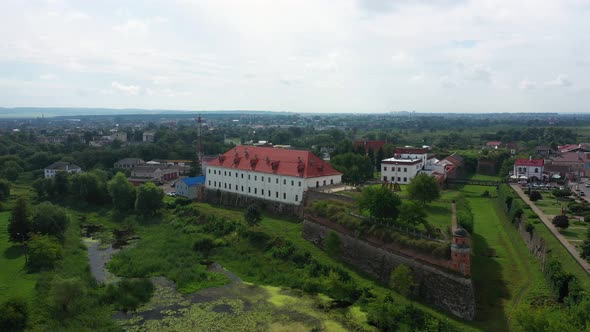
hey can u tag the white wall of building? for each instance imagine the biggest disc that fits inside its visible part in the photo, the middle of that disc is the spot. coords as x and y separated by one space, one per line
400 173
528 171
279 188
50 173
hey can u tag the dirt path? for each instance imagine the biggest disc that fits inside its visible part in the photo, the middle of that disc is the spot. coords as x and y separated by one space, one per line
547 221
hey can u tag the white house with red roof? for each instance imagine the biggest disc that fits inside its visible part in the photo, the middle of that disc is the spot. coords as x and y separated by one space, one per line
493 145
268 173
529 168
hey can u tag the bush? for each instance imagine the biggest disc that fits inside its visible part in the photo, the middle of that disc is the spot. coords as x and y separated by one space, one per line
535 196
561 221
485 194
561 192
128 294
529 227
44 251
465 220
204 246
13 315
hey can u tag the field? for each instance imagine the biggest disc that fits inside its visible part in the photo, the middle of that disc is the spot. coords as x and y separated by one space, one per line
14 279
504 272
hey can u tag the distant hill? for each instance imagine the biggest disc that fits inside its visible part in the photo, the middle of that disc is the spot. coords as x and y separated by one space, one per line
37 112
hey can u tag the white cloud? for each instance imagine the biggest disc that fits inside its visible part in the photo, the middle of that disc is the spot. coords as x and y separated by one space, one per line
560 81
130 90
526 85
447 82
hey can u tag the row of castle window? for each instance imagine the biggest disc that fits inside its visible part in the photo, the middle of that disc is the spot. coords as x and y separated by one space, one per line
255 177
393 178
228 186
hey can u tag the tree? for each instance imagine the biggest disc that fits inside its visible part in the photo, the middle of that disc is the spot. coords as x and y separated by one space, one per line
333 244
204 246
378 158
44 252
89 186
65 293
253 215
149 199
49 219
561 221
531 320
411 214
195 169
355 168
19 225
380 202
535 196
13 315
11 173
401 280
586 247
61 183
423 188
43 187
4 189
122 192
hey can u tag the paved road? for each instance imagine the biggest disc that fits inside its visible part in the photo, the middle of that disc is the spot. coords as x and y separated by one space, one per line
547 221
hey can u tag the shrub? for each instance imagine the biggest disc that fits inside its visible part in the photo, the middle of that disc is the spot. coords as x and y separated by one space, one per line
561 221
465 220
333 244
561 192
44 251
529 227
128 294
204 246
535 196
485 194
253 215
13 315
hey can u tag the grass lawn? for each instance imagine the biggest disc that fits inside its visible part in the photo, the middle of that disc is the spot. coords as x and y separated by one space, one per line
482 177
14 279
504 272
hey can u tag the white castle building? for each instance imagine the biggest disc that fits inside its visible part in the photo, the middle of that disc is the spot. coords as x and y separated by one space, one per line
408 162
270 173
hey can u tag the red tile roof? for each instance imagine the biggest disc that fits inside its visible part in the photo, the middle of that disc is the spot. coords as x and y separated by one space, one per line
494 143
298 163
411 151
529 162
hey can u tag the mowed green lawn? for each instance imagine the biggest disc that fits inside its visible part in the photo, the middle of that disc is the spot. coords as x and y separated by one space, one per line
14 279
504 272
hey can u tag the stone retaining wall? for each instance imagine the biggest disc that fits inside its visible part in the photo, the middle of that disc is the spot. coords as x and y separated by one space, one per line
450 292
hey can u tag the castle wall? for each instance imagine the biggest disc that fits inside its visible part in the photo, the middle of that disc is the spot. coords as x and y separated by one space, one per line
448 291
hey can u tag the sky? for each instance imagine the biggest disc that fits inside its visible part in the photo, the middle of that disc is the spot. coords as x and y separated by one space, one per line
361 56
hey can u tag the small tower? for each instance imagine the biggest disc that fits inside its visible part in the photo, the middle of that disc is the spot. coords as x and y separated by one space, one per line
461 252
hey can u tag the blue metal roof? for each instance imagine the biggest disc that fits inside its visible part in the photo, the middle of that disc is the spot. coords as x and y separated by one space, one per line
194 181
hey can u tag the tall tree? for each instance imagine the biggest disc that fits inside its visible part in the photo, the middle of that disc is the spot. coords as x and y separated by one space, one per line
89 186
122 192
4 189
378 158
423 188
19 225
49 219
355 168
61 183
586 247
380 202
411 214
149 199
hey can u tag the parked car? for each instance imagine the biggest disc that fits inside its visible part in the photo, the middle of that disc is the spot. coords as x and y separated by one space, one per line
173 194
587 185
582 193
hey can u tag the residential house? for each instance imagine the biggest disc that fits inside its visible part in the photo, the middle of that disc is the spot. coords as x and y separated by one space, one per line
149 136
277 175
528 169
190 187
493 145
120 135
579 162
408 162
61 166
152 173
129 163
543 151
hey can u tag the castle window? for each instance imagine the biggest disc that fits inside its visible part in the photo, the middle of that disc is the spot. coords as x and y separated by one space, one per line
384 168
209 182
398 179
209 171
262 178
405 179
248 176
284 181
214 183
292 182
536 170
229 173
277 180
224 173
256 190
242 188
284 196
249 190
405 169
300 183
385 178
262 192
255 177
242 175
269 193
296 198
332 181
277 194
